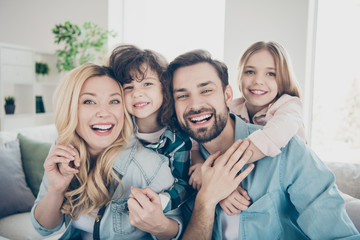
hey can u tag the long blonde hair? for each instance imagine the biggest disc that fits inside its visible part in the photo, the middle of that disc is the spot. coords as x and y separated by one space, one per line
89 188
285 77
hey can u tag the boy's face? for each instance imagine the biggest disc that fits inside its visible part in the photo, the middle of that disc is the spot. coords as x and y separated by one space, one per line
143 96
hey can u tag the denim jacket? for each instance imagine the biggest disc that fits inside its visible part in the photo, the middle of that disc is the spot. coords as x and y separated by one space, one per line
137 166
293 197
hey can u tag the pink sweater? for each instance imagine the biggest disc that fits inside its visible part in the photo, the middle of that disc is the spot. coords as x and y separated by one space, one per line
281 120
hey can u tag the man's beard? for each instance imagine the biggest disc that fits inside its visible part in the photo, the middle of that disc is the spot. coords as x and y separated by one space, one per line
205 134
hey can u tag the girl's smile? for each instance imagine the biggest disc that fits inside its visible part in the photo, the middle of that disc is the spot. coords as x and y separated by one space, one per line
257 92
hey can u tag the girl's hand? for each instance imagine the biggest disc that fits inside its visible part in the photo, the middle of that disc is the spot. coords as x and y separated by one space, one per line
60 166
236 202
195 176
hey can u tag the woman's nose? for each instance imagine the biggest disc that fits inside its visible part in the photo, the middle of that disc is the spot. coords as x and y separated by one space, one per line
102 112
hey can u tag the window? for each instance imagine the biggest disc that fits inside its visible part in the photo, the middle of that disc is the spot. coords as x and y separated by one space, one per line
336 106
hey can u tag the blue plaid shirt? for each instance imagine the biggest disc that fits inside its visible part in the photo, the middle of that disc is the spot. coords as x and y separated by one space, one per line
176 146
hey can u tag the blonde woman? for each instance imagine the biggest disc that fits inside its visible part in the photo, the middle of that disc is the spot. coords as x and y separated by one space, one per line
95 162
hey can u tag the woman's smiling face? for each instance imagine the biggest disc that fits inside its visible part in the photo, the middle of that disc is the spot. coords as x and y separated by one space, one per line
100 113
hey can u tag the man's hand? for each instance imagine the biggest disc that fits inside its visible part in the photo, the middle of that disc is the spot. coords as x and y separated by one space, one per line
221 179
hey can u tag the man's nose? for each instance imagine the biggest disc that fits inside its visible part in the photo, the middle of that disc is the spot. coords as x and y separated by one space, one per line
196 101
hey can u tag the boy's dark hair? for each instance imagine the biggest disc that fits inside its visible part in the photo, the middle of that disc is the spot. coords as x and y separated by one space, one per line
129 62
189 59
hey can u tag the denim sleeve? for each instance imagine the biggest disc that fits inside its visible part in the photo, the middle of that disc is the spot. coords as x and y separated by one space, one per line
40 229
312 190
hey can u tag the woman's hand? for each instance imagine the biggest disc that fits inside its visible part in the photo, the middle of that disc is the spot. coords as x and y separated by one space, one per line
61 165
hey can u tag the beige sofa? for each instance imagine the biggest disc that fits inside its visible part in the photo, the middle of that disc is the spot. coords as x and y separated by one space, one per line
37 140
32 142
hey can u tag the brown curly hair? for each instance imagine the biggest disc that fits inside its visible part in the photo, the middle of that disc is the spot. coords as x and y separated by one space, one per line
128 61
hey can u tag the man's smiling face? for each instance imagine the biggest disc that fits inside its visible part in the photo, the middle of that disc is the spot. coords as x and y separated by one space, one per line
200 102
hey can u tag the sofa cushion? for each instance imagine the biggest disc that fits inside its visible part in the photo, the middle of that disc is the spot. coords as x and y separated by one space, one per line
347 177
19 226
33 155
15 194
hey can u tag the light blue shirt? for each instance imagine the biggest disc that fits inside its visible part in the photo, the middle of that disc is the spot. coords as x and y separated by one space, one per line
293 196
137 166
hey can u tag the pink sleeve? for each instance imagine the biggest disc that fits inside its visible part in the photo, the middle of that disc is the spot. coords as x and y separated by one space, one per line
284 121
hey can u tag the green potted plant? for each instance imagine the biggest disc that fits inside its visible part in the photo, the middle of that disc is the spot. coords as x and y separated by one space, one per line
41 70
9 105
79 44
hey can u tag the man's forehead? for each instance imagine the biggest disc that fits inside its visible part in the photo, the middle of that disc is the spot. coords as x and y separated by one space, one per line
195 74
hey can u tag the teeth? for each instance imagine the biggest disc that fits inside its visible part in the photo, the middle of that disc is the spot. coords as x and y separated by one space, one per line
140 105
102 127
200 118
258 91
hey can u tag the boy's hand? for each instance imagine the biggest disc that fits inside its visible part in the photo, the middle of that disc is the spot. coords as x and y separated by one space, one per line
195 176
236 202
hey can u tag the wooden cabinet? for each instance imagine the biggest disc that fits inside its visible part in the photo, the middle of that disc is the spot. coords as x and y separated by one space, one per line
18 79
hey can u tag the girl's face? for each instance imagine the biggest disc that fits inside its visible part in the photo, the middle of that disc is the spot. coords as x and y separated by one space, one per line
144 97
258 81
101 113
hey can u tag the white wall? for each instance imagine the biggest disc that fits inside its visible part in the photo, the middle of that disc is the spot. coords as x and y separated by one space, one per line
29 22
174 27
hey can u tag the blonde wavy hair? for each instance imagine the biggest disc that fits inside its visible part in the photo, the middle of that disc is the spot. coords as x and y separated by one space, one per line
285 77
90 187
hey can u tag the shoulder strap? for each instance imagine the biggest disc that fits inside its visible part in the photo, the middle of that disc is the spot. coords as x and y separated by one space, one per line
96 232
